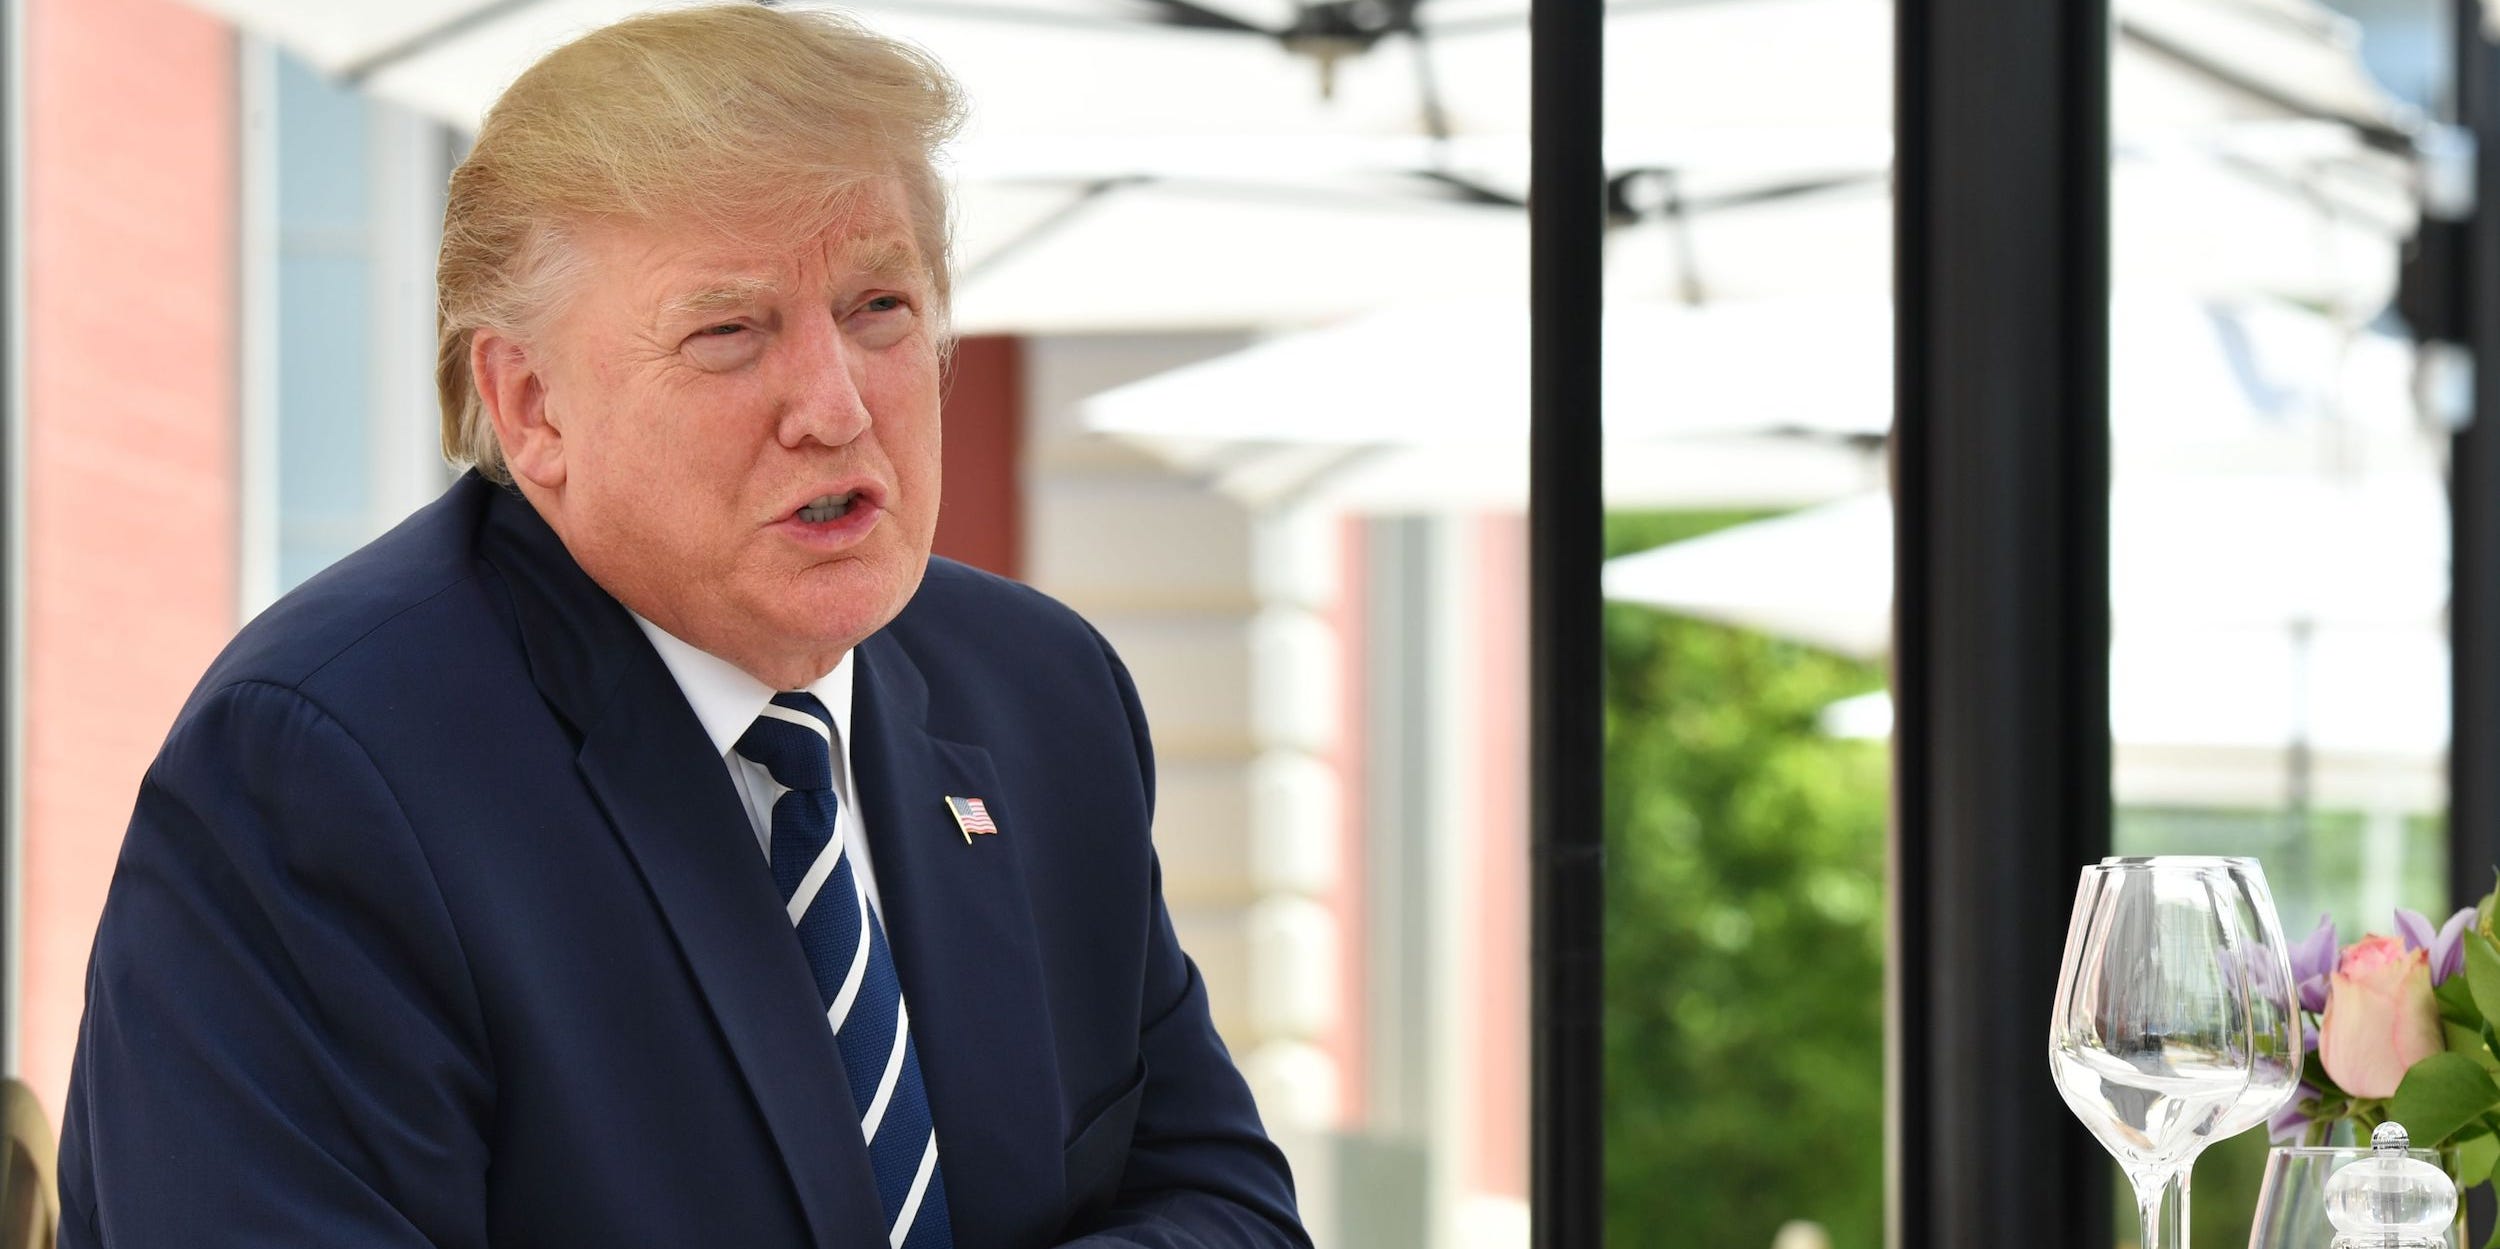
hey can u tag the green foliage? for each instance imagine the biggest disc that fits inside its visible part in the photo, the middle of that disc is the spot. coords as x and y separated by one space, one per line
2441 1095
2225 1200
1744 929
2482 973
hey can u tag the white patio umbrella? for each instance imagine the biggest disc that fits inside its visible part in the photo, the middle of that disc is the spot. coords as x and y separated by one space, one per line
2263 628
2345 717
1231 190
1198 68
1201 253
1744 403
2261 551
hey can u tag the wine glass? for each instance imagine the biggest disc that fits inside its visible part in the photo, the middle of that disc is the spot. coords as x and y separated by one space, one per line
2153 1037
2274 1006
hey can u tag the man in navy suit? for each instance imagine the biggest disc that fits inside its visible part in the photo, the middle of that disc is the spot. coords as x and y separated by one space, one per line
648 843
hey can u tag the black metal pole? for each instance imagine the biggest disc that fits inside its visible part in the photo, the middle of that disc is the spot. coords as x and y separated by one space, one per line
2474 487
1567 220
2474 499
2001 626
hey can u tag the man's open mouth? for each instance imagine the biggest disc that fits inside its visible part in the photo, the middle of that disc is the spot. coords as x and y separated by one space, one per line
828 507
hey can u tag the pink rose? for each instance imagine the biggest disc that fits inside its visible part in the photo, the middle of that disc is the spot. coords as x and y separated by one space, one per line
2380 1017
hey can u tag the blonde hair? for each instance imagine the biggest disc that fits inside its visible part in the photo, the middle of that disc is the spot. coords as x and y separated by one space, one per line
725 116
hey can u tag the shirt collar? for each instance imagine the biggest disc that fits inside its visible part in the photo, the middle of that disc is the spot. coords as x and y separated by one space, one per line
727 699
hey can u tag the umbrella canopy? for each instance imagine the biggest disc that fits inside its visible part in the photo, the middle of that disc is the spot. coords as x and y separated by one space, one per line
1269 67
2357 692
1257 162
2346 717
2262 552
1761 403
2267 632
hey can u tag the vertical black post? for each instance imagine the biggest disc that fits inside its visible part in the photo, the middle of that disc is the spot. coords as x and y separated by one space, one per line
2474 504
2474 488
1567 206
2001 627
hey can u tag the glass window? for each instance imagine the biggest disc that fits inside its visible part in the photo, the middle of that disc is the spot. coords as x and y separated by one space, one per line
344 207
2278 516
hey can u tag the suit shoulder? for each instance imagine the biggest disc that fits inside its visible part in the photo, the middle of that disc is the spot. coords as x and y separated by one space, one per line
969 630
958 597
362 602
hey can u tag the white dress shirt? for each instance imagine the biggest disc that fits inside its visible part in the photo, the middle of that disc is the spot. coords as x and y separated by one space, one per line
727 700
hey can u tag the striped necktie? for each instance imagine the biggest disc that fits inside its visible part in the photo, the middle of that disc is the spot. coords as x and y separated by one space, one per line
846 949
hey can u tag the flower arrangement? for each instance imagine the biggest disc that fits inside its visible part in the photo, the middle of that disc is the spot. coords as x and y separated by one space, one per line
2402 1028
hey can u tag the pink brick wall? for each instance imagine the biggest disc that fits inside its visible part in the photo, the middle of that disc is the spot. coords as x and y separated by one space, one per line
130 374
1499 880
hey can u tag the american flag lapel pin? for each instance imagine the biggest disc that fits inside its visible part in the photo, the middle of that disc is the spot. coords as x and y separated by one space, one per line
970 816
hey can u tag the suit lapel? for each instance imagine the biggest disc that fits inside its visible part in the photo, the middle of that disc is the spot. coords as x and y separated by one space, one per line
962 930
643 757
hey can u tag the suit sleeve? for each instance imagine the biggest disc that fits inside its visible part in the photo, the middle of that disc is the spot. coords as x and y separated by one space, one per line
281 1045
1201 1172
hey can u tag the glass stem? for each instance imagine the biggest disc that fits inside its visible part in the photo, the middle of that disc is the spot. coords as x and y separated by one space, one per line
2148 1201
2177 1235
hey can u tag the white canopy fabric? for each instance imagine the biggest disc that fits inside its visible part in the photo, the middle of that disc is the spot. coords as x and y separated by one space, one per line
1121 175
1078 67
2351 717
2262 628
2353 691
1742 403
2271 553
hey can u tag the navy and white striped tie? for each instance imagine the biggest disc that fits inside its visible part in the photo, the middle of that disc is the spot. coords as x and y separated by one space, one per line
846 948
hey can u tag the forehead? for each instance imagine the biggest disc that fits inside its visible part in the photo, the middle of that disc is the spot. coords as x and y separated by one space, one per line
665 265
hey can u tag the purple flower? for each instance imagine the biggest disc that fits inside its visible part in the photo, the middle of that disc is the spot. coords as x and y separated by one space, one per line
2308 1036
2288 1122
2313 960
2447 946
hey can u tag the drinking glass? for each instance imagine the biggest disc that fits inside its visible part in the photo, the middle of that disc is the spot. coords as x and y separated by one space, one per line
2274 1006
2153 1037
2291 1204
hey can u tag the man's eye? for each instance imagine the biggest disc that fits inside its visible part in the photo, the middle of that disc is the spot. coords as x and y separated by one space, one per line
723 331
885 303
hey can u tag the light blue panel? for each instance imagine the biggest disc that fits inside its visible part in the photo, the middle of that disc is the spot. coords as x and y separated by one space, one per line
325 268
321 150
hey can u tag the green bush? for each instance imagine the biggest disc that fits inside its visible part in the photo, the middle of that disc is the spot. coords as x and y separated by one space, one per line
1744 930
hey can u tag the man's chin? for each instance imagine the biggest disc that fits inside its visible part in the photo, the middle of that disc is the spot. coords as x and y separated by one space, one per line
830 625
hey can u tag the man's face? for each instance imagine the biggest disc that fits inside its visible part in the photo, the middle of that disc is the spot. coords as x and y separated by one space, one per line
741 440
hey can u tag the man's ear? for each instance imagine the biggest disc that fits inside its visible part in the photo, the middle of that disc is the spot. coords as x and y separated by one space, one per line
514 392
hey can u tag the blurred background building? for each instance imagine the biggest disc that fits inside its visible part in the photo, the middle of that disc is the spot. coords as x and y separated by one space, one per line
1244 381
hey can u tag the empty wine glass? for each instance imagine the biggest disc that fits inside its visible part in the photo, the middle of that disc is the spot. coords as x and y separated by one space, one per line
2154 1040
2274 1009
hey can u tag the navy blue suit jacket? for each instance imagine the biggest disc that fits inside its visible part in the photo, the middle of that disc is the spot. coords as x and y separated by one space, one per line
439 923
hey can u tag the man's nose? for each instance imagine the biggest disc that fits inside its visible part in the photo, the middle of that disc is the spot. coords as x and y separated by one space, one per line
825 397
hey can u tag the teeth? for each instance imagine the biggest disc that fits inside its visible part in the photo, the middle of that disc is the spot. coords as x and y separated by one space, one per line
825 508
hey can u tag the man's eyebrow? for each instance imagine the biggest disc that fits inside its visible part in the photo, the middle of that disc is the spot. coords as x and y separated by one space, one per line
885 258
717 297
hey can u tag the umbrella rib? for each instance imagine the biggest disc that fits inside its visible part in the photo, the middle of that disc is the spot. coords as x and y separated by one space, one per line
1777 191
1427 81
2377 134
427 40
1471 191
1519 21
1461 191
2318 196
1051 223
1191 14
972 10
